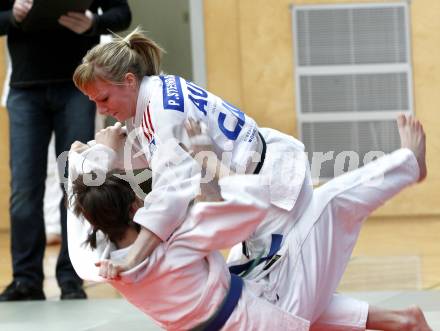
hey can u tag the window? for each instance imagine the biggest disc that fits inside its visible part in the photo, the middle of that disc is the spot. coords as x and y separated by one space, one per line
353 76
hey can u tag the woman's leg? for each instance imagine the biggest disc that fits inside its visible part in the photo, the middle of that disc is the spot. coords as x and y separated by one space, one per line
345 313
324 237
357 194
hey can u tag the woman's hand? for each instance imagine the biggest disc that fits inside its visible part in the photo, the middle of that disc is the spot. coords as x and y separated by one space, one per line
202 150
198 137
79 147
109 270
145 243
112 136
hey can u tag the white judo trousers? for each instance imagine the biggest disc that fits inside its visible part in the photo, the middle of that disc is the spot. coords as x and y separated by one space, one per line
318 249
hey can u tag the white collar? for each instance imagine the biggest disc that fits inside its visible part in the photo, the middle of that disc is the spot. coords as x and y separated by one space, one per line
144 97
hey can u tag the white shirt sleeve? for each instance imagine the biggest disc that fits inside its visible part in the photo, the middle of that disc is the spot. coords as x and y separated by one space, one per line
176 181
213 226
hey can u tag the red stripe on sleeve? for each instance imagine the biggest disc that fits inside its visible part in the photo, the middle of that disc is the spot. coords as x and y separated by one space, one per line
149 120
145 129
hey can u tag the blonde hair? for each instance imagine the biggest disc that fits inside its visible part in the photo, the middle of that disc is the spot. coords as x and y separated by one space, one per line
134 53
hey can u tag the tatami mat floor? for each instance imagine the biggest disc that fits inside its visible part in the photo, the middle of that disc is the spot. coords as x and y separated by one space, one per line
117 314
396 263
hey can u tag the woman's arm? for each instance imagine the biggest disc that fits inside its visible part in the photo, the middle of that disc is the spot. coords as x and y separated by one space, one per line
241 204
213 226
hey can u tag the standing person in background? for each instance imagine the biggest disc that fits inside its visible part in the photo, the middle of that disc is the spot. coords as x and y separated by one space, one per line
53 192
42 100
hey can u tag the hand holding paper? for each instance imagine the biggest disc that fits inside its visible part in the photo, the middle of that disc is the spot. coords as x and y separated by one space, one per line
43 15
76 21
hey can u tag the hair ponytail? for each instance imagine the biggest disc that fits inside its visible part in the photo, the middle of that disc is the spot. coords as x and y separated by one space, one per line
150 53
91 239
135 53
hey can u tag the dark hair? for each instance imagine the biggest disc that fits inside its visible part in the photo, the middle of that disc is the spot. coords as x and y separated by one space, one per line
106 207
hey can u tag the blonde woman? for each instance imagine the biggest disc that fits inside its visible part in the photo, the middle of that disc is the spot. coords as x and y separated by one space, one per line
123 79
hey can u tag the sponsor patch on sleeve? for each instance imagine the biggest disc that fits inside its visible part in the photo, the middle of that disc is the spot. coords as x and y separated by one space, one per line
172 93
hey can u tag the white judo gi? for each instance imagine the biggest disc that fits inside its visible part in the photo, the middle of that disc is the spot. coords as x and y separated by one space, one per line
185 280
314 253
163 105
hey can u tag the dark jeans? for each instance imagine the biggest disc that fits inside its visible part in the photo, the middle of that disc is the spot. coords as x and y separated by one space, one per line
34 113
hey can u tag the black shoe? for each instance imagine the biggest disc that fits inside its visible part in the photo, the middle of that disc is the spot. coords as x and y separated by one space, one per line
72 290
19 291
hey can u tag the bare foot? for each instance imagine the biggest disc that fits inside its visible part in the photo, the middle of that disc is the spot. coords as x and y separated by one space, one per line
409 319
415 320
412 136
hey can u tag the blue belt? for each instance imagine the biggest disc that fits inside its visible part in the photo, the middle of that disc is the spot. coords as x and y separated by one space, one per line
216 322
244 269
